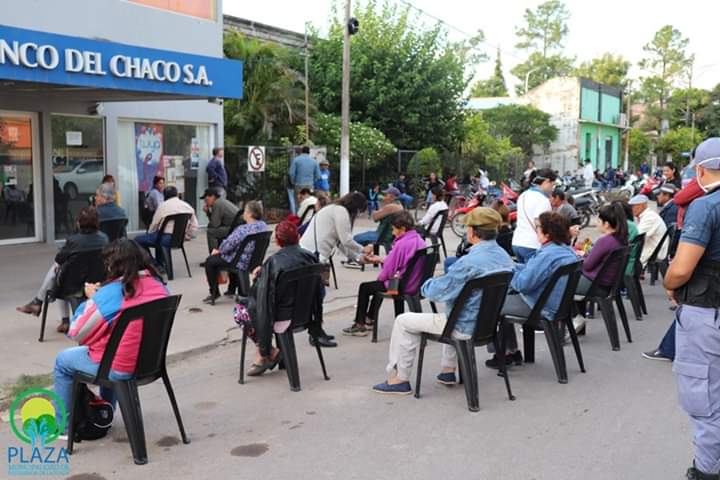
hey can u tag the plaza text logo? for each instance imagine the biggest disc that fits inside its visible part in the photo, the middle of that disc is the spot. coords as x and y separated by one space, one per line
37 418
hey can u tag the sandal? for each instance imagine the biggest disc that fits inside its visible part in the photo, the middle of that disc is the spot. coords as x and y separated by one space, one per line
258 369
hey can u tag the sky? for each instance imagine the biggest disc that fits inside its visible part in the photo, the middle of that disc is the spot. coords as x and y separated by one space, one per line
615 26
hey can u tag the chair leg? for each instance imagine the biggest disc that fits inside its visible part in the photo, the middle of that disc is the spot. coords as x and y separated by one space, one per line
469 370
623 316
71 415
44 316
634 297
501 346
187 264
653 268
176 410
286 343
376 324
166 254
421 357
129 401
608 314
575 344
442 242
243 345
334 275
638 286
528 344
433 307
322 361
399 305
556 350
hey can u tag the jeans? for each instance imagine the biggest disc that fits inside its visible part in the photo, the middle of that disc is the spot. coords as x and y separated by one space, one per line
523 254
291 200
373 205
406 199
366 238
76 359
148 240
667 345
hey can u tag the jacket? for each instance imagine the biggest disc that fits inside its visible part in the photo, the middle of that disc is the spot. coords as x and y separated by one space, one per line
271 305
81 242
217 176
404 247
110 211
330 228
684 198
650 223
304 171
222 214
669 213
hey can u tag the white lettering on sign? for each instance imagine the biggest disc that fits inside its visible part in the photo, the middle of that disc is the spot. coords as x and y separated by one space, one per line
32 55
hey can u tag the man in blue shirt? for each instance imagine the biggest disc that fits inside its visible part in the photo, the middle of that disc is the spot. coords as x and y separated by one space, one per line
304 172
668 210
693 280
107 209
485 257
322 184
217 176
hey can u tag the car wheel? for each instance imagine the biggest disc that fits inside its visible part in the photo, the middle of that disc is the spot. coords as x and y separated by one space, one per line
71 191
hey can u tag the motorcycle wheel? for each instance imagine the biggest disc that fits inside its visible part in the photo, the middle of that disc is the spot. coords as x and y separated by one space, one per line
586 216
458 227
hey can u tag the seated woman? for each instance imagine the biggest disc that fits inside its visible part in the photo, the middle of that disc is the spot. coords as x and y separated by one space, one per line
132 280
438 205
407 242
221 257
529 280
89 238
270 311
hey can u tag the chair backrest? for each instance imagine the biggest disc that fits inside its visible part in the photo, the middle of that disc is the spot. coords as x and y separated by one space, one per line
494 288
425 259
616 257
669 234
261 241
157 318
572 271
305 283
504 239
636 247
442 217
180 223
114 229
87 266
674 240
237 221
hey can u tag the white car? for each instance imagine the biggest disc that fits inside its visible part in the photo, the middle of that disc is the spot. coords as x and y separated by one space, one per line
81 178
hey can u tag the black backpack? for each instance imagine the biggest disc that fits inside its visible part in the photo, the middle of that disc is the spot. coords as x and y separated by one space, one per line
93 416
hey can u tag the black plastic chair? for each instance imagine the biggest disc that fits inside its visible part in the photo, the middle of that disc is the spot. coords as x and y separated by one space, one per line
552 327
653 264
332 270
604 296
114 229
262 242
504 239
80 267
177 241
438 237
306 283
632 282
157 320
425 259
494 287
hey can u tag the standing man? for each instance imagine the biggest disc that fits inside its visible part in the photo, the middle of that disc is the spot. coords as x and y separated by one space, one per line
588 174
693 280
322 184
217 176
645 168
669 210
304 172
402 185
221 214
649 223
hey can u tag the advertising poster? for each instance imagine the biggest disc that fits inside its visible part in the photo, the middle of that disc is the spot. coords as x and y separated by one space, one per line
174 172
194 154
148 154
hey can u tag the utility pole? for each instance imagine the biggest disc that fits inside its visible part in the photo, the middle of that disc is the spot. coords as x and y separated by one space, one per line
307 90
345 109
628 125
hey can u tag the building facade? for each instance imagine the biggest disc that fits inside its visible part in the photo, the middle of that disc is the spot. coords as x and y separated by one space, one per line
131 88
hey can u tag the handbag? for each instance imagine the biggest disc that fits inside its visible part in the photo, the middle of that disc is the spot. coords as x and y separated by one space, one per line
325 273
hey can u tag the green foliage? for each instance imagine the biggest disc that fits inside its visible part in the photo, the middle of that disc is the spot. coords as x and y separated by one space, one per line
407 79
677 141
607 69
424 162
525 126
683 102
708 118
273 93
483 149
493 86
640 145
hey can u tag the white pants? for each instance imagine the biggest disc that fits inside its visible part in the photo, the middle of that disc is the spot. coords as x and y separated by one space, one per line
405 340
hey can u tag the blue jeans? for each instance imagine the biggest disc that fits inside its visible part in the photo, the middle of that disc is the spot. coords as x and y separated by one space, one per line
406 199
373 205
523 254
76 359
148 240
667 345
366 238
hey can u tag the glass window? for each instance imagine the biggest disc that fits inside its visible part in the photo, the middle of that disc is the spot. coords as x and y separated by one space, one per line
588 146
78 167
17 206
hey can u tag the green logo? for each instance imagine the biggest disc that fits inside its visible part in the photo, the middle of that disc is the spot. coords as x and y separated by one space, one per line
42 423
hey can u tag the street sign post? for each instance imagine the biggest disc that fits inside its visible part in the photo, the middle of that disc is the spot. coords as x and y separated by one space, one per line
256 159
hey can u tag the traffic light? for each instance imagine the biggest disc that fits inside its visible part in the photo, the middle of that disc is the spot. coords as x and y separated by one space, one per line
353 26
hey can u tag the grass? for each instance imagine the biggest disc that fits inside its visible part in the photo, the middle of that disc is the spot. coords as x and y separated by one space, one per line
24 382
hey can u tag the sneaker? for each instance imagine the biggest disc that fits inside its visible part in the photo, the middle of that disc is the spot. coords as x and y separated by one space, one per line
397 389
351 264
447 378
656 355
210 299
510 359
355 331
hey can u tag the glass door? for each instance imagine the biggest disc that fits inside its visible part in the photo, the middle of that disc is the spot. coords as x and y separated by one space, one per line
19 201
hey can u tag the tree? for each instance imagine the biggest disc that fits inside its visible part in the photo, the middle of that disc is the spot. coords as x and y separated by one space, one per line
664 64
542 37
483 149
607 69
407 79
683 102
273 93
425 162
708 118
639 149
493 86
525 126
676 142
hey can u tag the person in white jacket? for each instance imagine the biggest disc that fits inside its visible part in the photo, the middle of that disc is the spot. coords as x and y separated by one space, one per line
652 225
531 203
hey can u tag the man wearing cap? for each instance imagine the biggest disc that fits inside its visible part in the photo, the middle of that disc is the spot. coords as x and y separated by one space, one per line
649 223
390 205
485 257
669 210
323 183
221 214
304 172
693 279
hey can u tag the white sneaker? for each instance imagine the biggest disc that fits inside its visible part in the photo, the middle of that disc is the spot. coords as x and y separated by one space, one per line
579 322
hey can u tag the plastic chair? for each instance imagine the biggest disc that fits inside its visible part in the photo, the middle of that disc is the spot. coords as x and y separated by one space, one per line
653 265
438 237
114 229
494 287
604 296
261 241
425 259
305 283
80 267
157 318
632 282
177 241
504 239
553 333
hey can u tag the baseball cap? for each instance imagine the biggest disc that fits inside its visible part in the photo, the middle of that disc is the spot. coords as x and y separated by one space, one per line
392 191
11 181
483 217
324 162
639 200
212 191
669 188
707 154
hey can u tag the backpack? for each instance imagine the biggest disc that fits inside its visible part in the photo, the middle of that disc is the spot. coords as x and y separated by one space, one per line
93 416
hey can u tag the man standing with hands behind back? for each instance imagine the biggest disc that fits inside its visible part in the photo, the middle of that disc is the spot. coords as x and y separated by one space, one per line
217 176
693 280
304 172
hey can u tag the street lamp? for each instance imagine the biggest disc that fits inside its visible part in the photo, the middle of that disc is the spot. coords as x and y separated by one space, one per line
527 77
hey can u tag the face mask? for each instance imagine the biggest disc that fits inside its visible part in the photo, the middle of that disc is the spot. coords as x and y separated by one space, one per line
710 187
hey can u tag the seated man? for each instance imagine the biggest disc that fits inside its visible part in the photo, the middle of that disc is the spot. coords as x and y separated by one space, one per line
669 210
171 206
649 223
390 205
221 214
107 208
307 205
559 204
437 195
485 257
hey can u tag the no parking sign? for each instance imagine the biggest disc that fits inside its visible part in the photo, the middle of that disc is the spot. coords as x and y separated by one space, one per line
256 159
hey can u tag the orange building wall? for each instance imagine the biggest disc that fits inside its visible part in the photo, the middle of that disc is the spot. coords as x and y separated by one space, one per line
196 8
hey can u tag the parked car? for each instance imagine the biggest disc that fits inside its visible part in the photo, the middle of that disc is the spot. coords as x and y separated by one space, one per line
80 178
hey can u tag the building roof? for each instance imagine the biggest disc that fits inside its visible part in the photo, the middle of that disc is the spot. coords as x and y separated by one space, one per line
486 103
262 31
